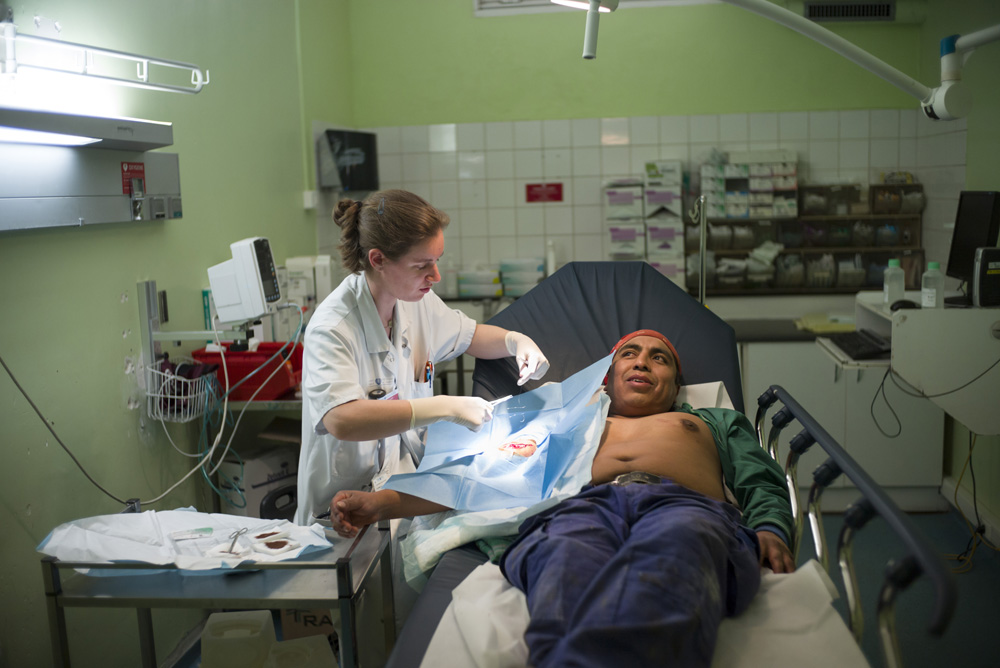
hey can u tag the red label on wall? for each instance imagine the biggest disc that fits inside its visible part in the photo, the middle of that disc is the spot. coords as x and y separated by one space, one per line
543 192
132 170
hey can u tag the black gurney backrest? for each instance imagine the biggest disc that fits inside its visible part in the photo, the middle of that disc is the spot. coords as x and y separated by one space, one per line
579 312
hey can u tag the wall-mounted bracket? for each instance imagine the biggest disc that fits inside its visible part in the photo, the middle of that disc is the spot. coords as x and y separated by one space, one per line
150 311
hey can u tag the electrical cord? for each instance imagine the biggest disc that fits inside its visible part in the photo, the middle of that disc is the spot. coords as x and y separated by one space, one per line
225 406
871 409
213 387
294 342
58 440
891 374
976 537
207 456
233 485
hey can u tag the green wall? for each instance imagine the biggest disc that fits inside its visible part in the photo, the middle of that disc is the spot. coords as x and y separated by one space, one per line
434 62
70 328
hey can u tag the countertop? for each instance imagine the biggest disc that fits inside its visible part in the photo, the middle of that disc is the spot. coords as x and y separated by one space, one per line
774 330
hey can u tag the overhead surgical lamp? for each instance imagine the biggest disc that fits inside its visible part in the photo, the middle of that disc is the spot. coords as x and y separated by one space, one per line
946 102
594 9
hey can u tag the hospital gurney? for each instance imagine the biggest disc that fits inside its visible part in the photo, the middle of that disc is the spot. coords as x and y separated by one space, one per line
575 316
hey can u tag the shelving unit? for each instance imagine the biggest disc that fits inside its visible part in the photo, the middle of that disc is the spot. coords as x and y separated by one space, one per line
835 221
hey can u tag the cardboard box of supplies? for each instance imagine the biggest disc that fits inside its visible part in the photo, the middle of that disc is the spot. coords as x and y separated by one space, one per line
623 202
626 240
302 623
663 198
264 470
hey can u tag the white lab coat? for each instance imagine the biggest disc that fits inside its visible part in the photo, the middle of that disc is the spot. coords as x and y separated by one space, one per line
347 355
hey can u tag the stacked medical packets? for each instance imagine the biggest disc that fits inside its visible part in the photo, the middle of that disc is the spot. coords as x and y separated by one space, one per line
479 283
624 220
520 275
664 218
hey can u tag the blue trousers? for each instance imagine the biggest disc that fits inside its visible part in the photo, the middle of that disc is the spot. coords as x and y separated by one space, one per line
640 573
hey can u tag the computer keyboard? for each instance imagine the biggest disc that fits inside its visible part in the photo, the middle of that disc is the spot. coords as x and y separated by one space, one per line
862 344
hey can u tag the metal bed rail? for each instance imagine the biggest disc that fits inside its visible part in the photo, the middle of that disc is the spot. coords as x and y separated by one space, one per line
920 558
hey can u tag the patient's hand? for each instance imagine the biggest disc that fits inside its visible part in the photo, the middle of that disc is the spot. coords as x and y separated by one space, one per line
774 553
522 447
351 510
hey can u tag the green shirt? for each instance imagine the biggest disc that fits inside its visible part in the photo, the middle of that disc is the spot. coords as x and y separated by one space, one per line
755 479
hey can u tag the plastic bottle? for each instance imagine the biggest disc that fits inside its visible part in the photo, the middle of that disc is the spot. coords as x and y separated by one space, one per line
932 287
892 283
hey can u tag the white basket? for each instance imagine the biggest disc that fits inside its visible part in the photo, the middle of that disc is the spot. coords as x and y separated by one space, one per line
172 398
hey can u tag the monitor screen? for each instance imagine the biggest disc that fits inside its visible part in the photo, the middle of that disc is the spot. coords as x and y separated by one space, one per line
347 160
977 224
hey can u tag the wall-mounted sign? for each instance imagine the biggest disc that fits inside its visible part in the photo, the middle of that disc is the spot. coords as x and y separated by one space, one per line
132 170
543 192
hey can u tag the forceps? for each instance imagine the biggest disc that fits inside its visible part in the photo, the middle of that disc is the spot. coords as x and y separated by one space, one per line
235 536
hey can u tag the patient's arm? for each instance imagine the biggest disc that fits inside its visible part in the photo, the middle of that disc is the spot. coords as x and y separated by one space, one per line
351 510
774 553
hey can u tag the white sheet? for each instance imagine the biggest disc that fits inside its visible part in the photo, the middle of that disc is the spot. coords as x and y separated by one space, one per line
791 622
146 538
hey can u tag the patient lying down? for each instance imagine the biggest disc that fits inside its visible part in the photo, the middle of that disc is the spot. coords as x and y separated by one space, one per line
682 510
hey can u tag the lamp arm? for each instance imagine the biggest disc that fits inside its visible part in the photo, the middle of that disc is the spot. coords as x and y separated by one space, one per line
838 44
978 38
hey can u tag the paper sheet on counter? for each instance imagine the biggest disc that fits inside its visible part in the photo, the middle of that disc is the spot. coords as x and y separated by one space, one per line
146 538
824 323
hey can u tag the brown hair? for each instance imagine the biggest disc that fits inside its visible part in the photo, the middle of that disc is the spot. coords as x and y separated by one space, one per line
392 221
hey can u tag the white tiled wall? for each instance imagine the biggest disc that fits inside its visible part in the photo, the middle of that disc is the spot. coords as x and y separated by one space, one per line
477 172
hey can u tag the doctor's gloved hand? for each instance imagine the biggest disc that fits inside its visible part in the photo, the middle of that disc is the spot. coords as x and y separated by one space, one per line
531 363
470 412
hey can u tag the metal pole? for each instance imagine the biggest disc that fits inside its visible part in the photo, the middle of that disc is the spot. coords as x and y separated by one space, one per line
699 214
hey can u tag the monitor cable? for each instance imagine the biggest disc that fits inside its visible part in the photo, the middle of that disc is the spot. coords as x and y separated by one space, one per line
207 459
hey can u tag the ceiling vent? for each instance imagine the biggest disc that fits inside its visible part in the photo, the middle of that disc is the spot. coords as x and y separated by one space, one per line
829 12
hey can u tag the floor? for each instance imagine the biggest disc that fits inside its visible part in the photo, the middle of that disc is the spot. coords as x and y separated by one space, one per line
972 638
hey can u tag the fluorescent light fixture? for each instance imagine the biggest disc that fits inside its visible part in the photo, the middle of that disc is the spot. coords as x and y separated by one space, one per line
17 136
43 127
604 8
949 101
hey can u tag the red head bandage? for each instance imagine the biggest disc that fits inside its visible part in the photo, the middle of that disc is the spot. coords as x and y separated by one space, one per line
655 335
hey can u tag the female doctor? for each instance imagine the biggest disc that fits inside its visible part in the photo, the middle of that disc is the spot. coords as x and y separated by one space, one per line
372 347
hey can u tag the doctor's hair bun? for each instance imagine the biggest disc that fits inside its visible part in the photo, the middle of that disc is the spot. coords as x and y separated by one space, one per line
346 212
346 215
393 221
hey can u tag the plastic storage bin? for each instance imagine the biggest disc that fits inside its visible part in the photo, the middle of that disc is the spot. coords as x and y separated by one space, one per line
241 364
237 639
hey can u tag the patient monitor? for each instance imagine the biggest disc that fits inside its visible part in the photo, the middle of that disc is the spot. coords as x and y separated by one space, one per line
245 286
